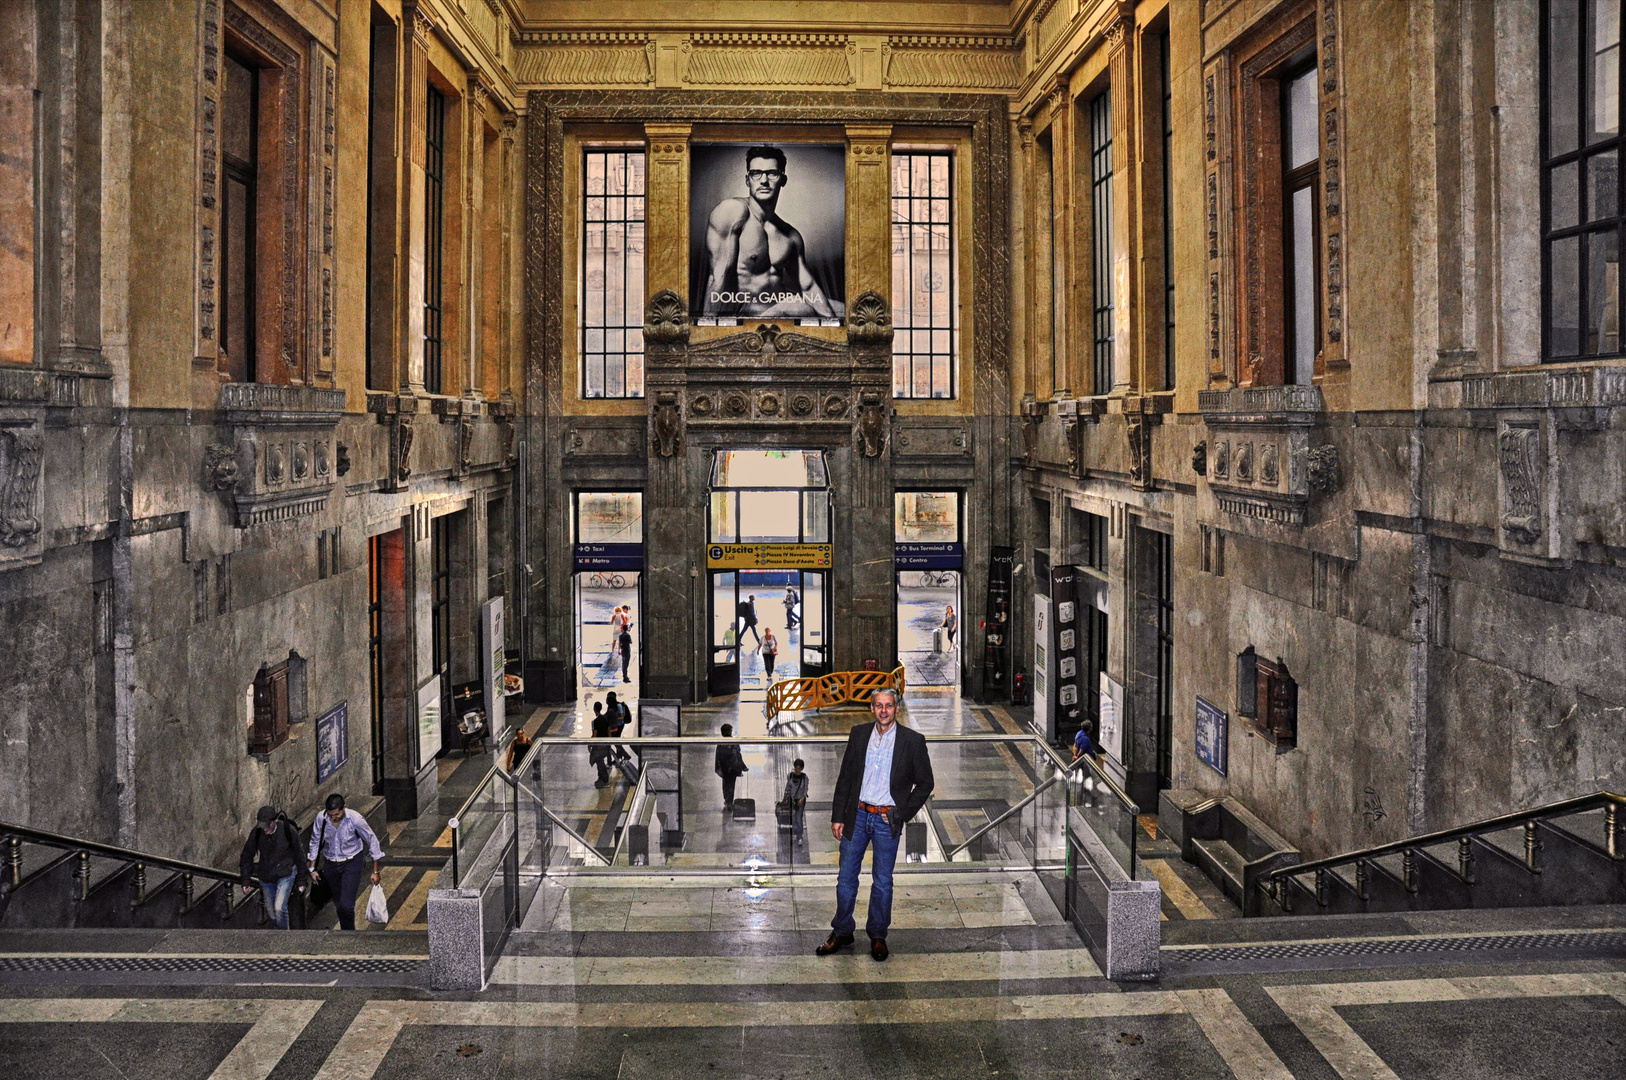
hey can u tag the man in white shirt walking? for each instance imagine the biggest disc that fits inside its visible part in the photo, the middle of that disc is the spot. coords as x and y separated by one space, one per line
340 843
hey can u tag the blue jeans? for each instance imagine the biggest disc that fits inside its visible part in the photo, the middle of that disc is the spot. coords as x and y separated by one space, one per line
869 828
276 899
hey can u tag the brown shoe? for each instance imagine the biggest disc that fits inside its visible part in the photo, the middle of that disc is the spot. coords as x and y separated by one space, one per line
878 950
832 943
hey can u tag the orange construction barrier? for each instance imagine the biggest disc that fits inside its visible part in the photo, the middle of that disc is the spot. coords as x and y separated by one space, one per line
836 688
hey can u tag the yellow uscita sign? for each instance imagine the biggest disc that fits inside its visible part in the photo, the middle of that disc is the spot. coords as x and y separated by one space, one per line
768 556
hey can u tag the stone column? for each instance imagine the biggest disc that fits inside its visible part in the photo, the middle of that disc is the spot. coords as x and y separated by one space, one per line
674 634
17 207
415 182
1121 68
1061 268
474 254
1027 271
384 277
861 594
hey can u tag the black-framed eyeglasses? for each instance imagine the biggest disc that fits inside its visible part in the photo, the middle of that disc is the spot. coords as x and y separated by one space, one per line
763 174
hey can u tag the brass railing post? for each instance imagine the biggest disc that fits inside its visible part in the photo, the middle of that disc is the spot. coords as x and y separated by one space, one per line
1408 870
1611 831
1532 844
1465 859
1321 887
186 894
1284 893
140 885
14 860
81 875
1360 880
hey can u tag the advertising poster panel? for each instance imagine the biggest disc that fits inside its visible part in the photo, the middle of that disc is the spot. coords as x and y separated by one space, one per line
767 233
491 641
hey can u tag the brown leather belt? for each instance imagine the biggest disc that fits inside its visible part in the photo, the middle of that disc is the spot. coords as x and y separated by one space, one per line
873 809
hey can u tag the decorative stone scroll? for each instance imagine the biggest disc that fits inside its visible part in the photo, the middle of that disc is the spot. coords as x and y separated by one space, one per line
869 321
666 322
22 450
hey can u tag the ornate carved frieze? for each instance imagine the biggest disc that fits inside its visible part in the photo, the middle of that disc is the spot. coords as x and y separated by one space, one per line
22 497
753 59
584 59
207 252
275 460
973 63
1580 387
595 439
1258 454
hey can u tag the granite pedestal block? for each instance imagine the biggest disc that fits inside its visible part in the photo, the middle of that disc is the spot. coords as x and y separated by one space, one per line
1133 933
457 959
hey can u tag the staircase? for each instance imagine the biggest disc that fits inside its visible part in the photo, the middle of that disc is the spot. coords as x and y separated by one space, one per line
56 882
1565 853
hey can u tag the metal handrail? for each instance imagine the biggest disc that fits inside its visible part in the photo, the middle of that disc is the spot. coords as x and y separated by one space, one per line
455 823
1460 832
786 740
996 822
108 851
520 785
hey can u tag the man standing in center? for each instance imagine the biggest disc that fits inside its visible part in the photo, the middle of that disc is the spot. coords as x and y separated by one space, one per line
886 777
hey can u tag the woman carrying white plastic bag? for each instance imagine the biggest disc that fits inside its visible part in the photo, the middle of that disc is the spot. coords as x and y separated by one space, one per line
378 906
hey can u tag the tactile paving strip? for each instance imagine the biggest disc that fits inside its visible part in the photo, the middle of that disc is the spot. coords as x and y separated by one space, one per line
297 964
1609 941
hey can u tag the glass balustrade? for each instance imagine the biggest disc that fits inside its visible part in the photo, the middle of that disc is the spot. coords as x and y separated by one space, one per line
1000 802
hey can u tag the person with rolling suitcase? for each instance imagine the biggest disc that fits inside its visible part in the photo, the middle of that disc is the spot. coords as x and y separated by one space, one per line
730 765
795 801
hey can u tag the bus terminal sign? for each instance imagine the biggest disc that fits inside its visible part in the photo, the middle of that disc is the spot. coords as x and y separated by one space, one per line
768 556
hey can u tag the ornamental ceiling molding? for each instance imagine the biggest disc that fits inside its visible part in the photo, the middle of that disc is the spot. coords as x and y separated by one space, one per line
975 63
768 60
584 59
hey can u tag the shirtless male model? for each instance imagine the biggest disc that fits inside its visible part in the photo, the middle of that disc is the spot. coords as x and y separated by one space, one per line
758 268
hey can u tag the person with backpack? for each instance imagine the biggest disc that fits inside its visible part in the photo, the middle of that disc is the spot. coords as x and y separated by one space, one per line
601 756
274 842
796 794
730 765
746 615
791 600
340 843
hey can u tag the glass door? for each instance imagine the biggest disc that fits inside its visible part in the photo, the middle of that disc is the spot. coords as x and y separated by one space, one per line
723 675
813 637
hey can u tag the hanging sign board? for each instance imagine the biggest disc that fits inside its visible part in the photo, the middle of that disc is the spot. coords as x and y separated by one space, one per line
1068 708
1043 654
768 556
997 621
928 556
591 557
1213 735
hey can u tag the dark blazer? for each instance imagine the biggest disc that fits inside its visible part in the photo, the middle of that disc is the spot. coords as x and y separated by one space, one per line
729 761
911 776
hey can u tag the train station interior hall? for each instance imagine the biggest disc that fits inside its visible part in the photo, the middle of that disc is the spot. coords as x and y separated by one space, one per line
769 539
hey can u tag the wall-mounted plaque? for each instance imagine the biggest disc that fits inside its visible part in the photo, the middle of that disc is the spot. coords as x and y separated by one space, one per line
1213 736
332 740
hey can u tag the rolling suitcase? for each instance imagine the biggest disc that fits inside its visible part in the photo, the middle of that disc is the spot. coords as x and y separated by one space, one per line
628 769
940 640
745 809
784 813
